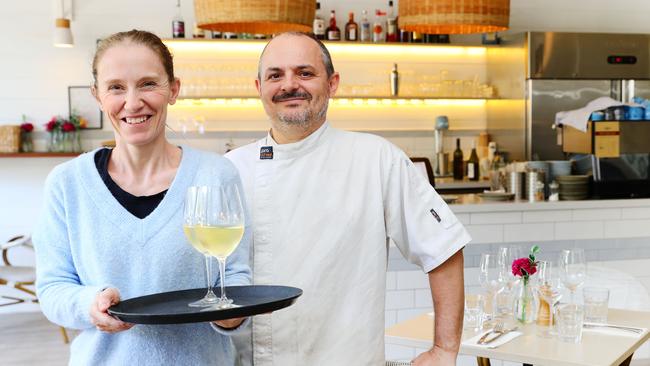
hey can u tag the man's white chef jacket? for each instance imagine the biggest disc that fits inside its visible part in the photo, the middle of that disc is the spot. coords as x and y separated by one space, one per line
324 211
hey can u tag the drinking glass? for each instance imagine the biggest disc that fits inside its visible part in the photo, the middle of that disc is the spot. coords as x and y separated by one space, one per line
473 312
596 300
548 289
506 255
569 323
573 269
491 279
192 211
220 228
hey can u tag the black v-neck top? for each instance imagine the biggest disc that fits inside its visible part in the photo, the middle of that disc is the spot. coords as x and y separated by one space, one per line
138 206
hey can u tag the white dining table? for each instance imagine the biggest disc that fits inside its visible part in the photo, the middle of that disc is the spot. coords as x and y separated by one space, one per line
598 347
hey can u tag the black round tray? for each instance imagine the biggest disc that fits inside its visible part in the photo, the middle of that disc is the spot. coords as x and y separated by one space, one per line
172 308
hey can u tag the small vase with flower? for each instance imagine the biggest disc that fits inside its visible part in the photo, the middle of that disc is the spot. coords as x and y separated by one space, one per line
524 303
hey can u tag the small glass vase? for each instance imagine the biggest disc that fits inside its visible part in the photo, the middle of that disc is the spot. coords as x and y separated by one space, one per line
525 306
26 142
69 141
55 142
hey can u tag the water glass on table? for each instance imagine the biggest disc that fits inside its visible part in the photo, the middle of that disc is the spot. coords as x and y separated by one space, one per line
596 300
473 317
570 318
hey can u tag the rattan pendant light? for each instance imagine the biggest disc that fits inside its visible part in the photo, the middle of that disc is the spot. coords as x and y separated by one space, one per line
255 16
454 16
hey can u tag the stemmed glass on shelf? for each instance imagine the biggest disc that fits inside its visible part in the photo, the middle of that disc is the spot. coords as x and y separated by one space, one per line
573 269
491 278
214 225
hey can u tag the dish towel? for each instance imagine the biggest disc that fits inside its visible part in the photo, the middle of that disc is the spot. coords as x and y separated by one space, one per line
499 342
578 118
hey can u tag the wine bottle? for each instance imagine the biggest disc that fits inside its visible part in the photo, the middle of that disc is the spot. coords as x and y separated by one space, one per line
391 30
178 25
458 162
319 24
333 32
351 29
472 164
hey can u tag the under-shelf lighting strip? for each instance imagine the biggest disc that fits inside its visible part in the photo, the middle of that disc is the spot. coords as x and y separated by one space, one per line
342 102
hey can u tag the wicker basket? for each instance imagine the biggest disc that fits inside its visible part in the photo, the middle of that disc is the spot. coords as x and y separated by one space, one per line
9 139
255 16
454 16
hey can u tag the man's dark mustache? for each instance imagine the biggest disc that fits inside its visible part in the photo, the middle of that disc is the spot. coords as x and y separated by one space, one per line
290 95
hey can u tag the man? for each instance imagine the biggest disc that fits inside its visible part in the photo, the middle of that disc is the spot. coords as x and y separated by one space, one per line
325 205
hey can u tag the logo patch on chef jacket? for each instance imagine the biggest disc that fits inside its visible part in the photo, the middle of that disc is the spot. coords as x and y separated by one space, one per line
435 214
266 152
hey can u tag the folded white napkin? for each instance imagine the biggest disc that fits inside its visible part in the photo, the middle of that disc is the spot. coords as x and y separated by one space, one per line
578 118
499 342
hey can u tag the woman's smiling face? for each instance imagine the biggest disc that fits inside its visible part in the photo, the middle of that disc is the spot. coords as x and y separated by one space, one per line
133 89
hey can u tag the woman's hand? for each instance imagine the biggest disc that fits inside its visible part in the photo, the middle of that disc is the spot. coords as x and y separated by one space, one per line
229 323
99 312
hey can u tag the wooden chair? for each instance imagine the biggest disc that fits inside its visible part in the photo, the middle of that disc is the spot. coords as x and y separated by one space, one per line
20 277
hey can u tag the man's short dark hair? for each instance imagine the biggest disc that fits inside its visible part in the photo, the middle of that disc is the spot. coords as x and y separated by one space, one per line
325 54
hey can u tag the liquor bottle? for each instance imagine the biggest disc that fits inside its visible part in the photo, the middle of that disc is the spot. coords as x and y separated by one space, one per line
198 32
472 164
405 36
391 29
379 27
319 24
351 29
366 33
178 25
333 32
458 162
416 37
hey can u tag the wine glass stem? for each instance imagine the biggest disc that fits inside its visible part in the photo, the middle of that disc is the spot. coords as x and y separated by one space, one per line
208 273
222 277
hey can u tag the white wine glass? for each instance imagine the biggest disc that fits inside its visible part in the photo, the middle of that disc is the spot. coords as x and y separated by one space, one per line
573 269
507 254
192 211
491 278
220 228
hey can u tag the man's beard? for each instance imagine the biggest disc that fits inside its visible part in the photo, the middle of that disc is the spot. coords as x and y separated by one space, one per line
302 118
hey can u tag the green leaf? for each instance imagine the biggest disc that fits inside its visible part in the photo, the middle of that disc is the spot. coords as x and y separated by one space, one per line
534 250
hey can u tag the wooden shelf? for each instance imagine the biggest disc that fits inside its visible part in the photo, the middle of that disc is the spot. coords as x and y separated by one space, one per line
38 155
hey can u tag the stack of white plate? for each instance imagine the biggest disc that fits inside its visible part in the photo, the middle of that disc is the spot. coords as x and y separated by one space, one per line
573 187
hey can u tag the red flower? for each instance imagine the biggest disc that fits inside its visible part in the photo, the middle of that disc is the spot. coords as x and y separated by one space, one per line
50 126
68 127
523 267
27 127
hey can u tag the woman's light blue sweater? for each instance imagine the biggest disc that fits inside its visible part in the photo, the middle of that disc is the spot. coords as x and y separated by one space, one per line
86 241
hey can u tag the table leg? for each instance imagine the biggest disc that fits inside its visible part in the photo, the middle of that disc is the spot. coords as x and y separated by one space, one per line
627 361
482 361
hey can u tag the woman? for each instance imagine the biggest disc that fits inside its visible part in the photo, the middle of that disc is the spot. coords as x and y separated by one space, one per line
112 223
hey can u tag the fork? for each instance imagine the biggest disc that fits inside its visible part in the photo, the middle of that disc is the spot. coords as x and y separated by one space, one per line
498 329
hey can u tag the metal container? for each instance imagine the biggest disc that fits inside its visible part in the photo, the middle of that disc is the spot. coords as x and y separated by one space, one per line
515 184
534 186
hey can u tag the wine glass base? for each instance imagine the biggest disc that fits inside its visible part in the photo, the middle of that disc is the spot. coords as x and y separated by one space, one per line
204 303
222 305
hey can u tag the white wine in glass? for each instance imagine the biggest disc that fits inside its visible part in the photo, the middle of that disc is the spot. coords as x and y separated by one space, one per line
219 241
193 212
220 228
